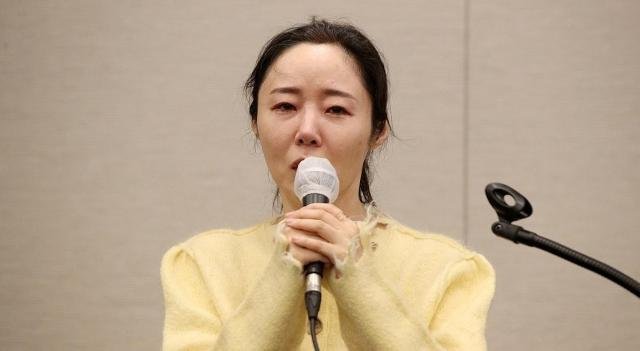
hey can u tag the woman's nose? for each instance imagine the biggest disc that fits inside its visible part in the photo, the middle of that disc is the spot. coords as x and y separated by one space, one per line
308 129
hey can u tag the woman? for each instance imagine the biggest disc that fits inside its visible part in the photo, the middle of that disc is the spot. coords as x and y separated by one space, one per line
320 89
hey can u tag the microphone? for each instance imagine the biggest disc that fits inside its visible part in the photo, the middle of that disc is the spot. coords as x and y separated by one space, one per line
316 181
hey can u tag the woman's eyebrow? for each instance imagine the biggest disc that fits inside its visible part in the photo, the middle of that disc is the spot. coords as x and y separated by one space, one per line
336 92
286 90
327 92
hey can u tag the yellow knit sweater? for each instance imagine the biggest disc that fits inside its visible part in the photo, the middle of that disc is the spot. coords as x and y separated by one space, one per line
240 290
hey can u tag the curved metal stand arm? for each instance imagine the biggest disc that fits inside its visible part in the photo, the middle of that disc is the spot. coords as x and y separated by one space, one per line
519 235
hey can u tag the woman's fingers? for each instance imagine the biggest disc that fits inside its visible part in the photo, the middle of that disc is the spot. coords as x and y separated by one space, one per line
315 211
305 256
319 246
317 227
299 252
327 220
331 209
320 228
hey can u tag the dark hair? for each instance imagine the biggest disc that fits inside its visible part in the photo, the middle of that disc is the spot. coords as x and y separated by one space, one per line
357 46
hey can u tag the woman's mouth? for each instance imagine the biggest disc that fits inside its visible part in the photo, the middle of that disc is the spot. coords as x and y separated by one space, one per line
294 164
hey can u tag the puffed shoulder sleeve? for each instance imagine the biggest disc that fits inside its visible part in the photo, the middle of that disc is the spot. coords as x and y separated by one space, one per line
190 317
460 317
268 316
446 310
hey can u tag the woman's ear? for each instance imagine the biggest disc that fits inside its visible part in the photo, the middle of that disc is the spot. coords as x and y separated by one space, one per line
381 137
254 128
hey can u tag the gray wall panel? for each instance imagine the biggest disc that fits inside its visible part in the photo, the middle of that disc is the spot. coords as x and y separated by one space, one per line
554 112
123 130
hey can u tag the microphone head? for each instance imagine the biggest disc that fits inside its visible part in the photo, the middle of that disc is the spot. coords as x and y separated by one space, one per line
316 175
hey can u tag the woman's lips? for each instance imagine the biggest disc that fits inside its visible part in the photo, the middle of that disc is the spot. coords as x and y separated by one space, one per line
295 163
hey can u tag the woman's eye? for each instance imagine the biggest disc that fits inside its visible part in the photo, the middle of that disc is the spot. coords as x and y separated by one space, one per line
337 110
284 106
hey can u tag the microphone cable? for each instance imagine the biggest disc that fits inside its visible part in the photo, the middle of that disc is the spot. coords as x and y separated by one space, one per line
313 297
312 330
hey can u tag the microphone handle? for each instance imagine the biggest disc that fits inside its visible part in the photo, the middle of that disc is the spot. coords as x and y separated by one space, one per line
312 295
313 270
314 267
314 198
318 266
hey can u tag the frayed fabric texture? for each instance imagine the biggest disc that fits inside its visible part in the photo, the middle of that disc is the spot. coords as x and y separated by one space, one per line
365 229
282 245
355 248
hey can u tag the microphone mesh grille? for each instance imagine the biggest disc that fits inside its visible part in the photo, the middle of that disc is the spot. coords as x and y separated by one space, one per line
316 175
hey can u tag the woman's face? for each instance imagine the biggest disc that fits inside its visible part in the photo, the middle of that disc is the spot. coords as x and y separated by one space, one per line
312 102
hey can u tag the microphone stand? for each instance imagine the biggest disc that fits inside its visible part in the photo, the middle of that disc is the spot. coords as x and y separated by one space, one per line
496 193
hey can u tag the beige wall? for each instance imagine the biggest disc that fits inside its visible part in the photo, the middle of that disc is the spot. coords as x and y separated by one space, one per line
123 131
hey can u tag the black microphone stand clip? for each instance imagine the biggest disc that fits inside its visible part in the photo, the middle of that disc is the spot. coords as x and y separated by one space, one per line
520 209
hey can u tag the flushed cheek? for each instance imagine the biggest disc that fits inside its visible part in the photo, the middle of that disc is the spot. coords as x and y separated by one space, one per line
274 155
350 163
277 164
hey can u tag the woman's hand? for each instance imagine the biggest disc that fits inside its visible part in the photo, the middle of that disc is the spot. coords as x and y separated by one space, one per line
319 232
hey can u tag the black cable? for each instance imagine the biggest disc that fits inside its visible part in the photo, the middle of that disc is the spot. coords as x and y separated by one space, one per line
312 330
313 297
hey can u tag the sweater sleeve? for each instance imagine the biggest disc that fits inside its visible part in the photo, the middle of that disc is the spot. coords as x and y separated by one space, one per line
270 317
460 318
374 317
